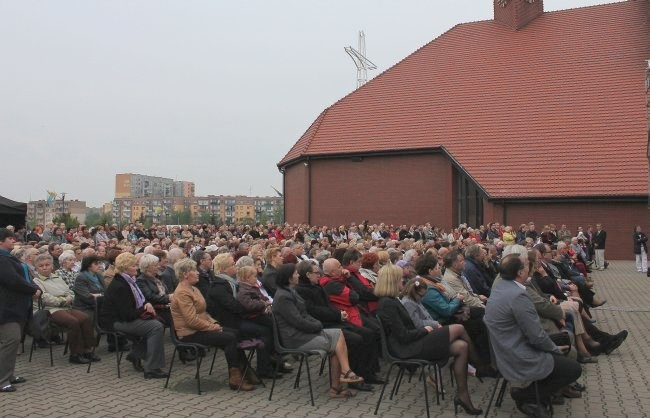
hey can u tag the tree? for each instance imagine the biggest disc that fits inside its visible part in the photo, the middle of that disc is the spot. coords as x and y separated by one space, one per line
67 219
278 214
181 218
95 217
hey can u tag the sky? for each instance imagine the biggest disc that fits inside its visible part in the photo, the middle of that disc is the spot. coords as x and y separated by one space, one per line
207 91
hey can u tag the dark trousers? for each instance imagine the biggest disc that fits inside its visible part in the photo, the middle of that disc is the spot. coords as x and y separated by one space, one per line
226 340
261 328
565 371
598 335
79 328
363 352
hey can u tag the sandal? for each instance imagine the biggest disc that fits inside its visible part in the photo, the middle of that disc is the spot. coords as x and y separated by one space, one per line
350 377
340 393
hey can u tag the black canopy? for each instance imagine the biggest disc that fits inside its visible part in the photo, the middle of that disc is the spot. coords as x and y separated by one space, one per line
12 213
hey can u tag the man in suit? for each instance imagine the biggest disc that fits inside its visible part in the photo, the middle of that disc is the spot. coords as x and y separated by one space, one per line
523 351
599 247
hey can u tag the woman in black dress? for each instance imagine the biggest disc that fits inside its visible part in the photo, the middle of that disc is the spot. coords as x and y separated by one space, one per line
407 341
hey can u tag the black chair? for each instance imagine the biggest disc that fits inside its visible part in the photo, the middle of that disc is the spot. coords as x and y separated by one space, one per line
102 330
304 356
403 365
54 330
199 351
250 348
504 385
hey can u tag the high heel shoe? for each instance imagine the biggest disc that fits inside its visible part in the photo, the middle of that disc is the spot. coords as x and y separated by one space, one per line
468 409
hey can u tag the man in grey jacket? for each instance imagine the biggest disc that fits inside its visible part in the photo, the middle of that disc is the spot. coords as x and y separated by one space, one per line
523 351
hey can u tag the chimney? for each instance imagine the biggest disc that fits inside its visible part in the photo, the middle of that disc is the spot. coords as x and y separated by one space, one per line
516 14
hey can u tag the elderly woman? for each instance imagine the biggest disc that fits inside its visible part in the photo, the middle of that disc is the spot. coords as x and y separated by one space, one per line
67 260
58 299
88 285
405 340
194 325
153 289
126 310
300 330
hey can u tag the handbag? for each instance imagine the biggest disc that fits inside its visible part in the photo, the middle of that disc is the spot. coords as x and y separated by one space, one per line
38 326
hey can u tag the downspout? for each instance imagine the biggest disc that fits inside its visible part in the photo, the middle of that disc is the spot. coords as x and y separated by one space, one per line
308 163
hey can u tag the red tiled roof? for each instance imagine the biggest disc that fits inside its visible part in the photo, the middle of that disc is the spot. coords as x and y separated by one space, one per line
557 108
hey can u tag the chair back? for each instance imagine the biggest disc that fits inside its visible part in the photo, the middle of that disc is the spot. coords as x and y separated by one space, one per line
99 302
385 353
172 332
276 335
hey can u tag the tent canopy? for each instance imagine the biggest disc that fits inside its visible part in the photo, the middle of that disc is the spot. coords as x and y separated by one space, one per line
12 213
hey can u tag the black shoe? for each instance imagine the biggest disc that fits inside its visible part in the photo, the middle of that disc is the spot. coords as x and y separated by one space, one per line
470 410
569 392
364 387
578 386
374 380
269 375
92 357
7 389
17 380
186 356
137 363
78 359
557 400
616 342
155 374
533 410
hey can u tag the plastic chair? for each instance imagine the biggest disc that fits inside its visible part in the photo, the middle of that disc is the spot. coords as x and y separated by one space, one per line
504 385
54 329
402 365
302 354
101 330
199 351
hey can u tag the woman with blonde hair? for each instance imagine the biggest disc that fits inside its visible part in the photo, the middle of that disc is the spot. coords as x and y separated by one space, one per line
405 340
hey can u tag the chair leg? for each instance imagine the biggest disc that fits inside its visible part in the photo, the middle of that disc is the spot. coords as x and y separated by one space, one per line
311 392
393 391
199 360
494 391
383 387
214 356
296 384
65 349
399 381
275 373
31 350
441 385
171 364
119 361
246 367
426 390
51 355
90 362
502 393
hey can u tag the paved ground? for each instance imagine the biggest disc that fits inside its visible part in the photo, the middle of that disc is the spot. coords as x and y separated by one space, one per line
617 385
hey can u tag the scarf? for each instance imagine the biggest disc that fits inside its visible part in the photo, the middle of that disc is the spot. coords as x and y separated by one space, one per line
93 278
137 293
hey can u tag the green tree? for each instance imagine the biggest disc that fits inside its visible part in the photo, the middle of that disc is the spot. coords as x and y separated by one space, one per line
278 214
67 219
181 218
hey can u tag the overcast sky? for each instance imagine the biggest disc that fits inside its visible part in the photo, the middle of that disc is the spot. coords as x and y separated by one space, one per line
209 91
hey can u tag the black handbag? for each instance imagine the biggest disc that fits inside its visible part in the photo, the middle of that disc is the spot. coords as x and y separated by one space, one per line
38 326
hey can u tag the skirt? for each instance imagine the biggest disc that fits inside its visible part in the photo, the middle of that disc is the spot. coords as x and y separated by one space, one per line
326 341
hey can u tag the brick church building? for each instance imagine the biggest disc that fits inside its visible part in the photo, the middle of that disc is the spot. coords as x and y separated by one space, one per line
532 115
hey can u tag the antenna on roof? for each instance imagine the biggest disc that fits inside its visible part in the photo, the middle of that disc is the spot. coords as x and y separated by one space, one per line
359 57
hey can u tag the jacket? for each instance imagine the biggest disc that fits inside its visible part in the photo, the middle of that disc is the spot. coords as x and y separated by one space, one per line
295 324
55 293
168 276
151 292
119 303
640 241
269 276
457 283
418 313
476 277
83 287
188 309
522 348
342 297
439 306
222 305
252 299
404 339
364 288
15 290
318 305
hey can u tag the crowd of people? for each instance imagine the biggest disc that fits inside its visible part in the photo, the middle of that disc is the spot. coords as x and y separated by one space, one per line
524 296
